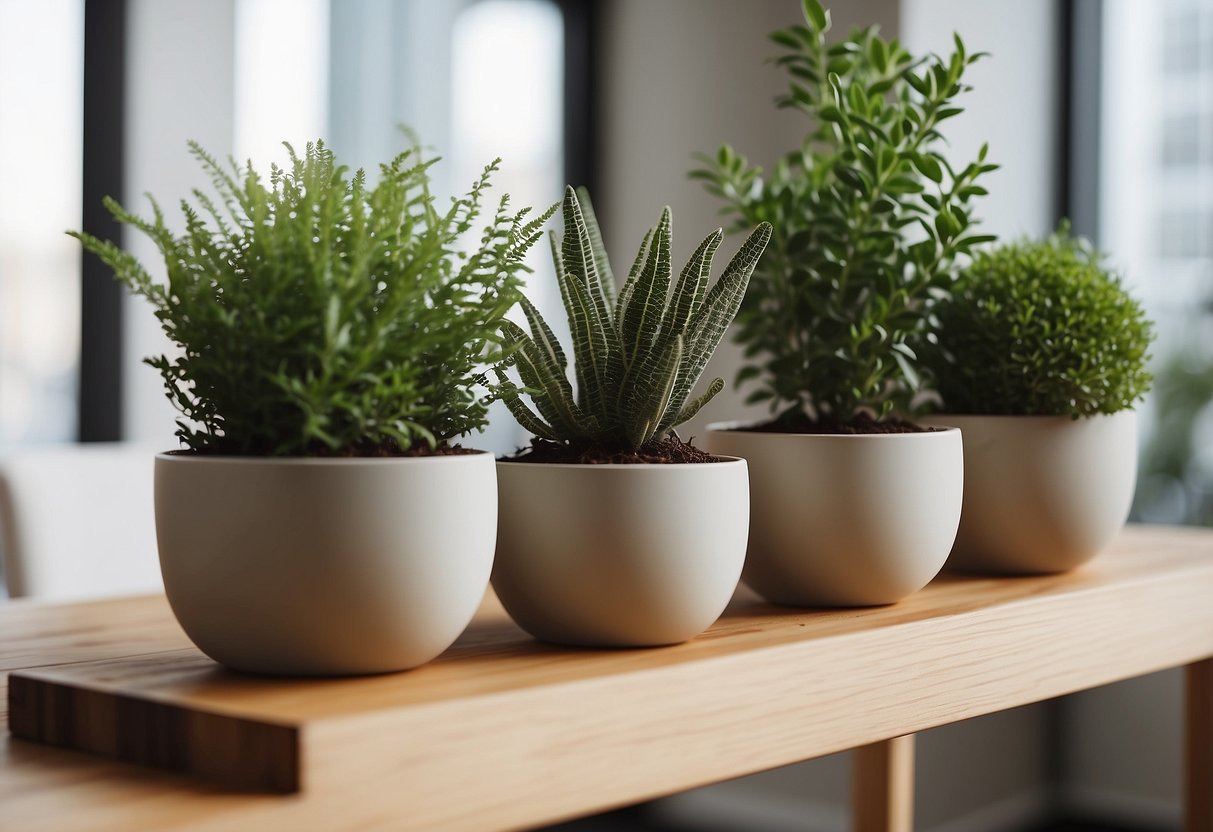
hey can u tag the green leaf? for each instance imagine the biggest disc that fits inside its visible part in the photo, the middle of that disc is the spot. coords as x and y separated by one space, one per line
650 396
815 15
629 286
525 417
928 167
553 395
642 318
601 262
695 405
692 284
596 333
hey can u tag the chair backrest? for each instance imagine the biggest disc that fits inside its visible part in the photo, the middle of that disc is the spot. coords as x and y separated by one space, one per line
77 521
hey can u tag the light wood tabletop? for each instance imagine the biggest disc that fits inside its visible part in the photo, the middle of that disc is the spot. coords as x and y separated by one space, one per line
503 732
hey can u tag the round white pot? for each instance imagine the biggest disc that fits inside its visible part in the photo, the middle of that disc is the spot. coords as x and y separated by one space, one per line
851 520
1042 493
325 566
620 555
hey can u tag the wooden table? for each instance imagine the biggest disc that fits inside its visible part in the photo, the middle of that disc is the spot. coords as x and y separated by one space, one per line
503 732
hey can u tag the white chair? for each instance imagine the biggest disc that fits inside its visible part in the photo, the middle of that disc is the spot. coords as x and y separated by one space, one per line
77 521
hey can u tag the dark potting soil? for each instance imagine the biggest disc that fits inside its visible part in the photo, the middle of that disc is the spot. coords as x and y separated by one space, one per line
860 425
663 452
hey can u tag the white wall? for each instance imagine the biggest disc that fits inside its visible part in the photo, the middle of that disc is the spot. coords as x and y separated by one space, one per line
1013 105
1123 747
683 76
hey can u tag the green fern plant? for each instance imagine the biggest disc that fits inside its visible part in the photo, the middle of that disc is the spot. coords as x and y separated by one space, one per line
638 355
317 315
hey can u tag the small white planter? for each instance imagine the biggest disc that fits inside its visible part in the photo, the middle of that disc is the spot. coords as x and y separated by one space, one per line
850 520
325 566
620 555
1042 493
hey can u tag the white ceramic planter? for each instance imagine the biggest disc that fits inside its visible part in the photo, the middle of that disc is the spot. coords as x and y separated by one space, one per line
325 566
847 520
1042 493
620 555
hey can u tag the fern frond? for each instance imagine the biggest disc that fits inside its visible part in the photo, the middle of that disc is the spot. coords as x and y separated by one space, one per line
313 314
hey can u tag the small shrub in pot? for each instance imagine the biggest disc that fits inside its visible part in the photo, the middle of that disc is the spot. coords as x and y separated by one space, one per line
330 333
851 503
1040 328
1041 357
870 217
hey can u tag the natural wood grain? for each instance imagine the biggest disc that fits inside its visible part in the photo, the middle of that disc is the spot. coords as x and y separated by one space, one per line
883 786
1198 747
247 754
502 732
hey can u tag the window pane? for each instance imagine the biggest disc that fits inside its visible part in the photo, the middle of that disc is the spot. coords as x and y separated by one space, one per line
1156 209
41 87
522 41
281 89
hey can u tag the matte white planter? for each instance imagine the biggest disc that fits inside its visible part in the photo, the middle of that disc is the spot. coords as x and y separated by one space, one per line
325 566
847 520
1042 493
620 555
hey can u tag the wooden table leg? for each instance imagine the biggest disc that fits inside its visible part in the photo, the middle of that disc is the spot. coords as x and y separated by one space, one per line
1198 747
883 789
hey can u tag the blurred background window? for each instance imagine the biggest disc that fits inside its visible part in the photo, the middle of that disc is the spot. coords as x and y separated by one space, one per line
473 78
41 94
1155 218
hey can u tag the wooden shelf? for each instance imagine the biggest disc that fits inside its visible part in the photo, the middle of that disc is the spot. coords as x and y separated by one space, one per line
503 732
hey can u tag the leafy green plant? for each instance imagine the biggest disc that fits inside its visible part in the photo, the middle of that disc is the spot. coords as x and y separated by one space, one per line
318 315
636 356
869 218
1040 328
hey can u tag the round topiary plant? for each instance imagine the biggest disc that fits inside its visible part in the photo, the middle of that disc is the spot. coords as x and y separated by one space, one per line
1040 328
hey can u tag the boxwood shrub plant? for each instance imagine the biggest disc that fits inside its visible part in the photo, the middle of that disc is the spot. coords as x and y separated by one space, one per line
869 219
1041 328
636 356
318 314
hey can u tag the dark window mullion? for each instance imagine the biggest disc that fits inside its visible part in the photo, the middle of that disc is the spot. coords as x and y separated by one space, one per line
1078 177
581 93
101 297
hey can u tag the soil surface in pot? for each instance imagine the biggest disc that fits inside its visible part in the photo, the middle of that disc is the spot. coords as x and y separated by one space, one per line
385 450
666 451
862 424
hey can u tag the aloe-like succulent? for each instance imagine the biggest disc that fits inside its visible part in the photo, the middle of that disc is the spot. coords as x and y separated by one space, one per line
638 355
